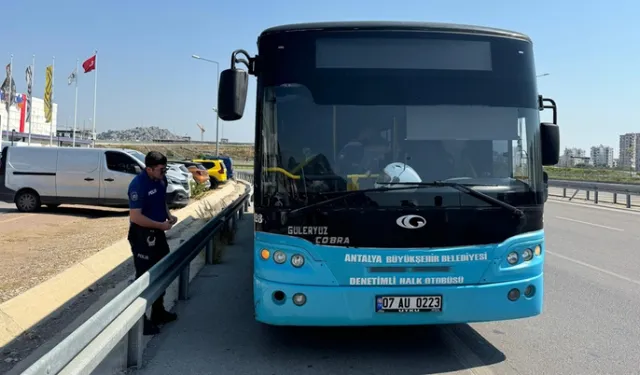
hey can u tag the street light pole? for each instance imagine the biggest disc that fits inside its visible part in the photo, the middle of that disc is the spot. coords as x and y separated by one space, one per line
217 84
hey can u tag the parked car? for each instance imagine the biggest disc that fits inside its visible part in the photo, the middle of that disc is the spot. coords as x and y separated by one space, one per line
228 163
34 176
217 171
180 168
199 172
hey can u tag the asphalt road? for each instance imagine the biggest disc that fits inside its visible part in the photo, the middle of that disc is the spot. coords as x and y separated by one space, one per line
590 325
7 207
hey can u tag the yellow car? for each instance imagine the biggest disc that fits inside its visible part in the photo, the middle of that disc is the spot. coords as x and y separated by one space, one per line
217 171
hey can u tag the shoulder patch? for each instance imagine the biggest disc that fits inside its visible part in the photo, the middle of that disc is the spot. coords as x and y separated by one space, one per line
134 196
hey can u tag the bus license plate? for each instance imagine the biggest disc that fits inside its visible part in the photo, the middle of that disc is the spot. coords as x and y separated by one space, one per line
404 304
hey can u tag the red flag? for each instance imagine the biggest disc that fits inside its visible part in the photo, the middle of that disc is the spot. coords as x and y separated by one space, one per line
89 64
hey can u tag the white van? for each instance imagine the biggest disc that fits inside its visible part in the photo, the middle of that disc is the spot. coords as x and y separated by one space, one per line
34 176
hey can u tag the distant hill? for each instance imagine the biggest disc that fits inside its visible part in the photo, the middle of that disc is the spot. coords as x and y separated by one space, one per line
138 134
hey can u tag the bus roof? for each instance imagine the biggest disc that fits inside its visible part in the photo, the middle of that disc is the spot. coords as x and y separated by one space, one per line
395 25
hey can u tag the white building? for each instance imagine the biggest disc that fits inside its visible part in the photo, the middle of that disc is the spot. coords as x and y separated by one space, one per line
572 157
17 121
602 156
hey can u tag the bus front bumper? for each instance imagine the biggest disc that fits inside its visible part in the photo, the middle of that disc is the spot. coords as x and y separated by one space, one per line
355 306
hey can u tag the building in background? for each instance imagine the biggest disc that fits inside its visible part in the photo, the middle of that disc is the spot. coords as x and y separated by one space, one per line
40 130
573 157
602 156
628 158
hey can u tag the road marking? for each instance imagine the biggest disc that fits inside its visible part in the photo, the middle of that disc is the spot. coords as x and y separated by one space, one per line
622 209
467 358
624 278
588 223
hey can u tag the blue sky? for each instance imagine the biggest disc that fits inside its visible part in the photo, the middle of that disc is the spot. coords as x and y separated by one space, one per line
147 77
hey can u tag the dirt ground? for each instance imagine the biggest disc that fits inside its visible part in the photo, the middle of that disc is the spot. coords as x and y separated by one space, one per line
34 247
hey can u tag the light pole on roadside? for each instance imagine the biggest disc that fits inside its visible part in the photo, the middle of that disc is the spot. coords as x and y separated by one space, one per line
215 109
217 84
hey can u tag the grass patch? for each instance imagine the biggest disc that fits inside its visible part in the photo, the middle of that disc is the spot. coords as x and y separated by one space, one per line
198 191
593 174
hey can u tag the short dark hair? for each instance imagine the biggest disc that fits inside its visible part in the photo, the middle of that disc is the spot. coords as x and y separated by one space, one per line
155 158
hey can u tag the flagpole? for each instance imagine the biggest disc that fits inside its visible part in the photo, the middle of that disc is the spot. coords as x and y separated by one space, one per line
95 95
30 103
8 99
53 80
75 114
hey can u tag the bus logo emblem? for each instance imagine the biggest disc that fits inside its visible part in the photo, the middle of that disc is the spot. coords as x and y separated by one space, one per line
411 222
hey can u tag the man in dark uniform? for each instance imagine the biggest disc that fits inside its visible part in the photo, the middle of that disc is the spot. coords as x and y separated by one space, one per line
149 218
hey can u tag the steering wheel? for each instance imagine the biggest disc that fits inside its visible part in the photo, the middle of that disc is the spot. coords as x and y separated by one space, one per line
318 164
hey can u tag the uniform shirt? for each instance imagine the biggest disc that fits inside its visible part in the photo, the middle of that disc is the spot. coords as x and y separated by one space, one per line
149 195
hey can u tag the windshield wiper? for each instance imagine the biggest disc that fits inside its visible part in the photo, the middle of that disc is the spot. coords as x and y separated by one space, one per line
343 195
465 189
412 185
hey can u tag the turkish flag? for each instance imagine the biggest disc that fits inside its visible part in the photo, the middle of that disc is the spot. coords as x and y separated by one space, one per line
89 64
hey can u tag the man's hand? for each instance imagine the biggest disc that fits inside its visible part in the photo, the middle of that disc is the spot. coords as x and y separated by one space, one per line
166 226
172 219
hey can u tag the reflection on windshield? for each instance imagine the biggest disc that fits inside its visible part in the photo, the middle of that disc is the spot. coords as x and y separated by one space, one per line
337 148
138 155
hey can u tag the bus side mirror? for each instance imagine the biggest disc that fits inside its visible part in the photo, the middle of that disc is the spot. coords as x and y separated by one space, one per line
232 94
550 139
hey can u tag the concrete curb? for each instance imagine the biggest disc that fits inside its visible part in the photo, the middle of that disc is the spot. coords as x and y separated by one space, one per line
42 302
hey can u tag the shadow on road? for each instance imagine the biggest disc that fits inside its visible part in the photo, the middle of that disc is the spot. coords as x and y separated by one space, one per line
87 212
218 334
384 350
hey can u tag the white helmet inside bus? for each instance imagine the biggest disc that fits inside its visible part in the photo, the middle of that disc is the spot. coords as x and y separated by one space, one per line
397 173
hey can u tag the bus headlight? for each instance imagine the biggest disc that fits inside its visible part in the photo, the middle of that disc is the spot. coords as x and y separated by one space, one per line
512 258
527 255
279 257
299 299
297 260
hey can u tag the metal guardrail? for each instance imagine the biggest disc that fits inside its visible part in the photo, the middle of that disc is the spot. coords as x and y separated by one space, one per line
122 318
244 175
615 189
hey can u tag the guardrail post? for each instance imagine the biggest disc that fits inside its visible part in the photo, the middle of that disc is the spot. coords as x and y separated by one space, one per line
209 252
587 191
595 196
564 192
183 283
135 348
615 198
230 229
628 200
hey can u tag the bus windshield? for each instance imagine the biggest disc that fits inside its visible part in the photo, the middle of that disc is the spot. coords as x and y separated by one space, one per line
453 108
